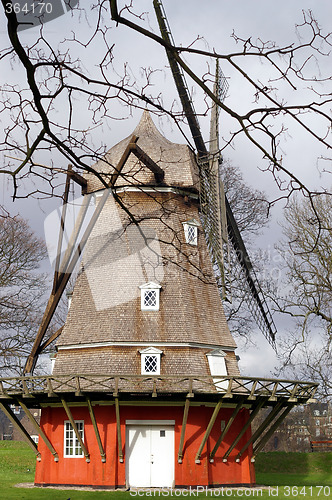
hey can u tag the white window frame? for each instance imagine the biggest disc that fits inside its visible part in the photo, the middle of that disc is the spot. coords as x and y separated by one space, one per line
217 365
150 351
71 436
193 225
146 289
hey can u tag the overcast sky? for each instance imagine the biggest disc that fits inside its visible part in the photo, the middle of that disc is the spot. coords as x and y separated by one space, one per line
214 20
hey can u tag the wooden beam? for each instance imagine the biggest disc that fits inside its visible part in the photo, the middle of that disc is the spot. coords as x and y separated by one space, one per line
183 429
74 426
17 424
62 228
269 433
244 428
226 429
51 339
39 430
260 429
207 432
118 429
95 426
149 163
79 180
64 277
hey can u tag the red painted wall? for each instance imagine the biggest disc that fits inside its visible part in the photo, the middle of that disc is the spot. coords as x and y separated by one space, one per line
112 473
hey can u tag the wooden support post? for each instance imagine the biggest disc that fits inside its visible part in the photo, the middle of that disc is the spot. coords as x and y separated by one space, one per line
226 429
74 426
269 433
252 396
50 391
78 391
65 274
273 394
62 229
39 430
207 432
3 392
244 428
95 426
260 429
292 398
16 423
183 429
118 429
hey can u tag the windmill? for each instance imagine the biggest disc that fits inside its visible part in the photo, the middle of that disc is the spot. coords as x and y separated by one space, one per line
217 216
146 390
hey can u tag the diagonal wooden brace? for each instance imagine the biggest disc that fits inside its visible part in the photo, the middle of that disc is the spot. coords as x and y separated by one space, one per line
226 429
39 430
183 429
208 431
74 426
16 423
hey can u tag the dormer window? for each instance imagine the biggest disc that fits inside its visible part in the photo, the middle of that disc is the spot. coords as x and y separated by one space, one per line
217 364
150 361
150 296
190 228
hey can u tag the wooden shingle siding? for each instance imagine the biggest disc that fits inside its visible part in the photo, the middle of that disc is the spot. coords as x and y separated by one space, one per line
139 238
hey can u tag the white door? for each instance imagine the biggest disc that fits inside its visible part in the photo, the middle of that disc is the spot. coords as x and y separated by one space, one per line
150 455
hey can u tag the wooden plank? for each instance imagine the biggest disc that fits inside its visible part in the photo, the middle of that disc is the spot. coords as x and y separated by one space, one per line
74 426
207 432
51 339
39 430
260 429
149 163
118 429
183 429
269 433
17 424
226 429
95 427
244 428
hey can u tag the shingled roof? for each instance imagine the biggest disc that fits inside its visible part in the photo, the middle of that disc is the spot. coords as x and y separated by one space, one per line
177 160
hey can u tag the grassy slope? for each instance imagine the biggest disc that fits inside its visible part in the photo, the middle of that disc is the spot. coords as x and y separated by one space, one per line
17 466
294 468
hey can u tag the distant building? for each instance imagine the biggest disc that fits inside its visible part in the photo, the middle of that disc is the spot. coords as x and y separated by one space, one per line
301 427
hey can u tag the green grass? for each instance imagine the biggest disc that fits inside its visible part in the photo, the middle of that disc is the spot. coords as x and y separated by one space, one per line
307 469
296 475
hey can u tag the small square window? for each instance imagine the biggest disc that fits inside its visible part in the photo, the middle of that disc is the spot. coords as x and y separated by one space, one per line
150 296
150 364
191 231
162 433
150 361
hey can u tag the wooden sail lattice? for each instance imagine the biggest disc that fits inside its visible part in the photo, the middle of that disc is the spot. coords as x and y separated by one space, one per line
210 195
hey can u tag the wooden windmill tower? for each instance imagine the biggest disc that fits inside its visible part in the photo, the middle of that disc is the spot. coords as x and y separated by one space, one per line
146 390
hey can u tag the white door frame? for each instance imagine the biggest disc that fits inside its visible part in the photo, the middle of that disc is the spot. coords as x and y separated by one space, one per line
133 423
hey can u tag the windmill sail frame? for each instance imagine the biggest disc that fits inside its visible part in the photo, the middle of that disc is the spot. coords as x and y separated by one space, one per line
257 302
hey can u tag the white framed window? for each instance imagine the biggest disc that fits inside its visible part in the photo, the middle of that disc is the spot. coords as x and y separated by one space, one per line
72 447
150 293
150 361
190 228
217 365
